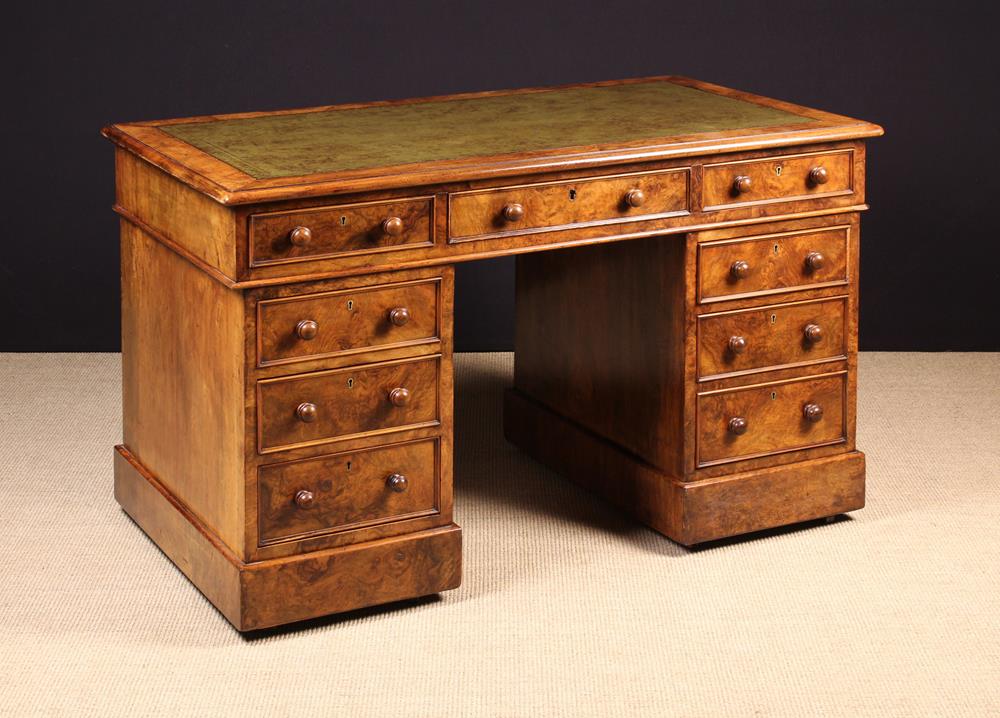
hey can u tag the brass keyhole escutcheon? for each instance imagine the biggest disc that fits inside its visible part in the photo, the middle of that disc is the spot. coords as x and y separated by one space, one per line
350 305
348 465
350 383
777 170
572 195
774 318
776 249
774 395
343 220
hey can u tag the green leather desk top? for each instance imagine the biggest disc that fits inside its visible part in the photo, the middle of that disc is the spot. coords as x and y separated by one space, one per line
265 156
333 140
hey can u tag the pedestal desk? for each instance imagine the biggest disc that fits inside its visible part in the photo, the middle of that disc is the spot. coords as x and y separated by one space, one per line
287 303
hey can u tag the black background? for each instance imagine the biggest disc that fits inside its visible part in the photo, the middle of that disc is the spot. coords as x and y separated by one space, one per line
930 263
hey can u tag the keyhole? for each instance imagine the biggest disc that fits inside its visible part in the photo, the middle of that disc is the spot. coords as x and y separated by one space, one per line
775 249
350 305
572 195
774 395
774 318
348 465
343 221
350 383
777 170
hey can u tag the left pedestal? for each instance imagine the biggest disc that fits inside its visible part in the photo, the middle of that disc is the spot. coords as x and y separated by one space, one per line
287 443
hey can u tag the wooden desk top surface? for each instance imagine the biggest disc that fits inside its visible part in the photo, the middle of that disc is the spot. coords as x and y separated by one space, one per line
278 155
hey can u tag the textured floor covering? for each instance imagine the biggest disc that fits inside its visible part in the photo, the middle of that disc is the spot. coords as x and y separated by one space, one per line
567 608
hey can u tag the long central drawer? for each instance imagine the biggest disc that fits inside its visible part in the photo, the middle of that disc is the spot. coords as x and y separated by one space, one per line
367 400
480 214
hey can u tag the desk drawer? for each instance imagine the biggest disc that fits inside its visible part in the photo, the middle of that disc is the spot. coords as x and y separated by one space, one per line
327 324
321 232
351 490
324 406
778 179
771 263
552 205
772 418
772 336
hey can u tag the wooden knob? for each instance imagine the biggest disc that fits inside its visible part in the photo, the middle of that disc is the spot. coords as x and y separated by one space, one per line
399 396
742 184
738 425
300 236
814 261
818 175
396 482
737 344
304 498
513 212
812 412
393 226
739 269
306 412
635 198
399 316
306 329
813 333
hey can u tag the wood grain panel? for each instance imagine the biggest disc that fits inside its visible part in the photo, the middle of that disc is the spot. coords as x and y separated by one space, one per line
348 490
774 336
774 415
348 403
777 179
339 230
347 321
775 263
480 214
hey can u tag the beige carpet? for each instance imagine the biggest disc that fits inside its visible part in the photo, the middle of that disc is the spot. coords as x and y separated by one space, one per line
567 608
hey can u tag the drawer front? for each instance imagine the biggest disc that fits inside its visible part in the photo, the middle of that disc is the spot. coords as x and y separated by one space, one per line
351 490
320 232
771 263
553 205
343 322
324 406
772 418
770 337
778 179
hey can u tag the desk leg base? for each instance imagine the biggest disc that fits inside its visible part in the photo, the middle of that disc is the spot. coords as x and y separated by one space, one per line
687 512
269 593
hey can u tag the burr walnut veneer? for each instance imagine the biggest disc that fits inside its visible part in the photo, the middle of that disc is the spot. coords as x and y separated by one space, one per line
288 294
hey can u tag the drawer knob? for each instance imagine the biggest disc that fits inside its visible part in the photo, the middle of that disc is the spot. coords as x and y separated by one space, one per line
399 316
818 176
742 184
306 329
396 482
635 198
393 226
304 498
814 261
513 212
812 412
306 412
738 425
300 236
813 333
737 344
739 269
400 396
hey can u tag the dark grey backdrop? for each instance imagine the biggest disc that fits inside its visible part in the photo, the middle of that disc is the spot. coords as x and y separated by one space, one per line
929 250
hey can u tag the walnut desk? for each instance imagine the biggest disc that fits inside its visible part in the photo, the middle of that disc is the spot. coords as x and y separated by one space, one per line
287 303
